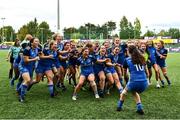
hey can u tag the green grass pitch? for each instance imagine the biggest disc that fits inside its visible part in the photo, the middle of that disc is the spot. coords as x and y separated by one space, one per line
160 103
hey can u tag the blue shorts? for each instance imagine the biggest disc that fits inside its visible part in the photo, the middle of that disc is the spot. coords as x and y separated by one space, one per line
98 69
162 65
57 65
72 63
150 64
137 86
64 65
108 70
86 74
24 69
15 65
42 69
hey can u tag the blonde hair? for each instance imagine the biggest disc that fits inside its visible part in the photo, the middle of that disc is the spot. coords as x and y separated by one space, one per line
51 43
28 36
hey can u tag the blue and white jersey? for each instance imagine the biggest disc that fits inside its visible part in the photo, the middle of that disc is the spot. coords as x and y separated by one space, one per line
122 54
60 46
73 56
114 58
48 61
31 53
64 62
99 65
108 51
153 53
86 64
121 58
161 61
17 60
137 72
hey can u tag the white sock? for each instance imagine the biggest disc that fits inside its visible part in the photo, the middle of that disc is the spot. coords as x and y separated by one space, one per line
158 82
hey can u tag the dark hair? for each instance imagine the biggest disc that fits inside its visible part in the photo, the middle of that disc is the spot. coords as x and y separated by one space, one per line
136 56
162 43
15 43
32 40
66 44
89 45
152 43
103 43
116 47
85 48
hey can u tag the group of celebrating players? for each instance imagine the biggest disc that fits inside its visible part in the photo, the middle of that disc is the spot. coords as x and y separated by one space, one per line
101 66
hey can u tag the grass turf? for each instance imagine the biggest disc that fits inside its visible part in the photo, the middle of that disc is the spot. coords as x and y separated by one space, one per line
160 103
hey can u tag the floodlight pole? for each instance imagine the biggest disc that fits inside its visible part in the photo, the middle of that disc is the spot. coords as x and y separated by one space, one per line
3 29
42 36
58 16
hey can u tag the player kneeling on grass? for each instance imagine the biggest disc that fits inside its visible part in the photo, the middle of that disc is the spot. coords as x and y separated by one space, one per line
138 81
86 62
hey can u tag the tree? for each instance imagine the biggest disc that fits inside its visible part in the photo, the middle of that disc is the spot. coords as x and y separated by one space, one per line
174 33
43 31
149 34
137 28
82 30
91 30
104 28
130 30
99 32
22 32
8 33
163 33
111 26
68 32
124 28
32 27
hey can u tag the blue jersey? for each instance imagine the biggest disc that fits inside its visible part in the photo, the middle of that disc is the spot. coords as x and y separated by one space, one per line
48 61
64 62
73 56
114 58
86 64
108 51
153 54
122 54
111 69
31 53
99 66
17 59
60 46
161 62
137 72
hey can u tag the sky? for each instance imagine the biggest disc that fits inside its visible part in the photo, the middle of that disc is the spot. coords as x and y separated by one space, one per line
156 14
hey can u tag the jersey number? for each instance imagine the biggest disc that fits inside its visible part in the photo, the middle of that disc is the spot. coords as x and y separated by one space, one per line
139 67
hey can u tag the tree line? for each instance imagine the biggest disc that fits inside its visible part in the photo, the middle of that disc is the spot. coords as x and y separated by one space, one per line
42 31
128 30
